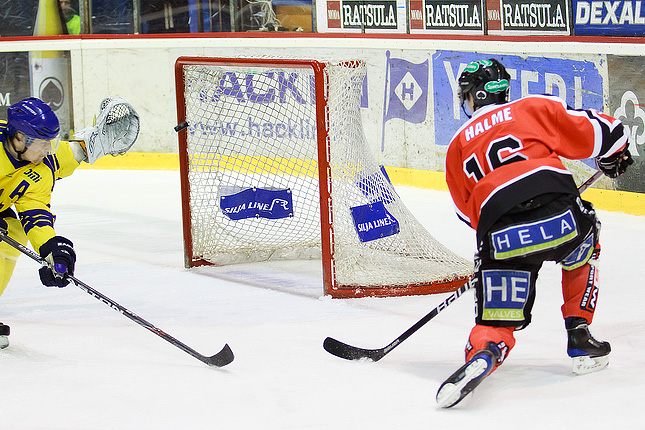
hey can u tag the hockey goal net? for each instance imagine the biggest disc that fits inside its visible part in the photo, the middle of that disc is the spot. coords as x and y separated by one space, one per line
274 164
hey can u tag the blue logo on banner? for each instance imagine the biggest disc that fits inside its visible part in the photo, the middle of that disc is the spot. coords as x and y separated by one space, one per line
257 203
524 239
373 222
505 294
408 90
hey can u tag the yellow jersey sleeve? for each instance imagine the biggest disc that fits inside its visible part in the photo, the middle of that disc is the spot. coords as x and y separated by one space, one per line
28 188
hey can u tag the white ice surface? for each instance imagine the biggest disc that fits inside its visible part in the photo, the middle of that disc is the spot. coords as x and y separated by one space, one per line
74 363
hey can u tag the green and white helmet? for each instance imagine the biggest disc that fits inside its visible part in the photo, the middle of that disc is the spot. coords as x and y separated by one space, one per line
487 81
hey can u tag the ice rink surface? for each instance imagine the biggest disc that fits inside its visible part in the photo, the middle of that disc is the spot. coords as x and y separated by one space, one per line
74 363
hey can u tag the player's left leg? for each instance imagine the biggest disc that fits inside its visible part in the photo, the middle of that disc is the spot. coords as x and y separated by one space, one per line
580 294
8 257
8 254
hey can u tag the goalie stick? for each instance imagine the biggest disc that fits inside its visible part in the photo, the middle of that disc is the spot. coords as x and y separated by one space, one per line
349 352
222 358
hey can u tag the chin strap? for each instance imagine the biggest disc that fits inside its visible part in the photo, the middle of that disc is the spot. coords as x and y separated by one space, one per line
465 112
13 146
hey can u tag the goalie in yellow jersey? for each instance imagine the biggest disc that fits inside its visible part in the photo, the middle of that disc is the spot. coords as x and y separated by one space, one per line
31 160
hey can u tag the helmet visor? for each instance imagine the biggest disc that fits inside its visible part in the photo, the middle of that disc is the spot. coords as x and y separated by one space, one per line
49 146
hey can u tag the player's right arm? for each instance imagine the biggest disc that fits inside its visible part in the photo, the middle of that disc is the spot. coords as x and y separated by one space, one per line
30 193
577 134
459 191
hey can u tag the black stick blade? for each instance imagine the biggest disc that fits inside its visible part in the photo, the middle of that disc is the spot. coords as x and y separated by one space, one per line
222 358
348 352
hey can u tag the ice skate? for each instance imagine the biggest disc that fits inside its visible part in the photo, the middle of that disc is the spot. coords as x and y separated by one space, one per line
588 354
4 336
468 377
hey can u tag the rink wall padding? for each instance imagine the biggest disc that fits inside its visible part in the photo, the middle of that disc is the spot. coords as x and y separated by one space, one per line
610 200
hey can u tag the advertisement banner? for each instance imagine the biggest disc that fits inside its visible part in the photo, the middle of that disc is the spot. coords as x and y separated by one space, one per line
50 83
609 18
450 17
406 92
15 83
627 103
534 17
361 16
373 221
257 203
576 81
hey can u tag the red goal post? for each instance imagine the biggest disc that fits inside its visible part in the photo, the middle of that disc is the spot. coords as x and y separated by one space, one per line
274 165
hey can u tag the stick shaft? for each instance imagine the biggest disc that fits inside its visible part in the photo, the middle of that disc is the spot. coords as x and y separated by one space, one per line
589 182
123 310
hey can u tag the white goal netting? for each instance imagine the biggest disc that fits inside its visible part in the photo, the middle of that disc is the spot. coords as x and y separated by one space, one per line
254 181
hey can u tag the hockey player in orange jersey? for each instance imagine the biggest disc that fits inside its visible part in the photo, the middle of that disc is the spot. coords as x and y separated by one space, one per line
507 181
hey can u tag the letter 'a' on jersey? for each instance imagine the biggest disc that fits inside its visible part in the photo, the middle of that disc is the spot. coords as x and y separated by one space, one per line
509 153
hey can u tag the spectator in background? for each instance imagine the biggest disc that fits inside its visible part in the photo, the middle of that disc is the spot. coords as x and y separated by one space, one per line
72 20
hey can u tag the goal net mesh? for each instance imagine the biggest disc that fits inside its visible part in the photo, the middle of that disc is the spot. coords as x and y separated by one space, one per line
252 149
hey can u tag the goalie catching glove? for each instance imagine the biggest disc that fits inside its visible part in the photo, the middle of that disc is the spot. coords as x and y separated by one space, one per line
59 253
616 164
116 130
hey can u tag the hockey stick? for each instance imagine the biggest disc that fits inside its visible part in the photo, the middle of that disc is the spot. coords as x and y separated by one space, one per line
222 358
349 352
589 182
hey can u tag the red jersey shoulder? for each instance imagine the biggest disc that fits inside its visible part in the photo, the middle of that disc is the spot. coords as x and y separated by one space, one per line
525 111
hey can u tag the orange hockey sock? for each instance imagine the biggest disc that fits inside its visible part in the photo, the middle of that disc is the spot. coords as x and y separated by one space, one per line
480 335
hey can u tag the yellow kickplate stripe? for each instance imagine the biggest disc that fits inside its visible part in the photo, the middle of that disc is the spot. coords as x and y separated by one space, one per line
609 200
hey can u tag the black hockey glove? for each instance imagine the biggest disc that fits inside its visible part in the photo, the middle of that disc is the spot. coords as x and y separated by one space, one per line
616 164
59 253
3 226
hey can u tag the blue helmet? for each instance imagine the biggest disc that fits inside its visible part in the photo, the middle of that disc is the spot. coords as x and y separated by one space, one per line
34 118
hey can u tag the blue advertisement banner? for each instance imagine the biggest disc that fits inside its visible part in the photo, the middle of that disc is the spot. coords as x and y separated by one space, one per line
577 82
257 203
609 18
373 222
408 90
